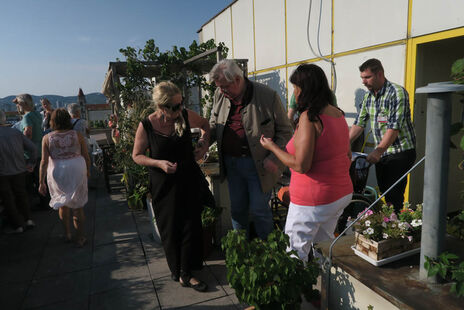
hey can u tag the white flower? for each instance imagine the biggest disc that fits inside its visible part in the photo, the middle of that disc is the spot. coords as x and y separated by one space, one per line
384 225
393 225
410 238
416 222
403 225
367 223
385 236
369 231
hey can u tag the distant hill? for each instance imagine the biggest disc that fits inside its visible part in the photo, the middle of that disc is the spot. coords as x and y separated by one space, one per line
61 101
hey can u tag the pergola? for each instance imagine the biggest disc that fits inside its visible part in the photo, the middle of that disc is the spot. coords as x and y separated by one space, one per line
118 70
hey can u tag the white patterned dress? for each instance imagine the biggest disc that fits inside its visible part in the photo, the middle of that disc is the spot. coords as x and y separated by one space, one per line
67 171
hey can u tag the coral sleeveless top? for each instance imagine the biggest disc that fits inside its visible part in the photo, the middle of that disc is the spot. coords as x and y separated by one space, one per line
328 179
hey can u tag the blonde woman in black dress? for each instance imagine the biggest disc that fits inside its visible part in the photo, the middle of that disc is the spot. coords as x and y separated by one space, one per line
175 179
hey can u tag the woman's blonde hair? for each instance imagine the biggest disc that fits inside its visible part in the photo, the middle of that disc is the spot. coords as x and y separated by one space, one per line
163 93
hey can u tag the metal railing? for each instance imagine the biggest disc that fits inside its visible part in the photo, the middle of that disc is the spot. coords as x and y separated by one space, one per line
328 262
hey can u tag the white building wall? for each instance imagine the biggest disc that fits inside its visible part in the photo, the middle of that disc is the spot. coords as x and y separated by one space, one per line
350 89
269 33
360 23
429 16
223 30
208 32
298 48
274 31
275 79
242 24
99 115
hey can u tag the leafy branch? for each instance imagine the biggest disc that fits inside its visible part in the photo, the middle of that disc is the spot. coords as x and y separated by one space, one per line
446 266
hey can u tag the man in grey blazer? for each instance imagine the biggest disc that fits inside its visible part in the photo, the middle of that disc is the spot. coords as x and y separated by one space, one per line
242 112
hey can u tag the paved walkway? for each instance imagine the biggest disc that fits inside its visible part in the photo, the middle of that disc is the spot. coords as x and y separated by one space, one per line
121 267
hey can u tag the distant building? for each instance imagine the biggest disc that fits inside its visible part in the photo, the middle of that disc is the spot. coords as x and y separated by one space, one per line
97 113
82 102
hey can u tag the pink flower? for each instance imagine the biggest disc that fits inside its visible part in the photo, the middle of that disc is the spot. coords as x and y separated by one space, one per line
410 238
393 217
386 219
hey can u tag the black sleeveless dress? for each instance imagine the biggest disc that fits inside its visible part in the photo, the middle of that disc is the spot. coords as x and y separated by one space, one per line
177 199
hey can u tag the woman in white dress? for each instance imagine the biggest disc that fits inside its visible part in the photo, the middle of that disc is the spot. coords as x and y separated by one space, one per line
66 162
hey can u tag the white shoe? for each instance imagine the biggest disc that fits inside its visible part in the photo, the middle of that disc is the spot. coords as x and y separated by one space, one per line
30 224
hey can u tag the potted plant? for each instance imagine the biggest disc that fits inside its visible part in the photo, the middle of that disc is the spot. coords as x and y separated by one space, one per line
209 216
384 234
455 226
264 274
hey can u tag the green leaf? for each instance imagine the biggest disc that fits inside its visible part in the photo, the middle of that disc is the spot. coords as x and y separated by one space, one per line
433 270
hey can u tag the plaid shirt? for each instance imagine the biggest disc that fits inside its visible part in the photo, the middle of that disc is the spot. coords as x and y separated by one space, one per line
389 110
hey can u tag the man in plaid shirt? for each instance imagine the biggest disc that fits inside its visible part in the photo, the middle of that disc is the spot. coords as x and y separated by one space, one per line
386 106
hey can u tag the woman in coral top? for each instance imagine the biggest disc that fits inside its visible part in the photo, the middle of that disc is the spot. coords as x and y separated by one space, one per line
318 156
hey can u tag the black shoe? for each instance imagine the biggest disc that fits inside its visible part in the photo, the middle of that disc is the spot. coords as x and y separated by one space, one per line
199 287
174 277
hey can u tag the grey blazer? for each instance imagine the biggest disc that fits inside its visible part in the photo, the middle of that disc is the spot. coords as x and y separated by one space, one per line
263 115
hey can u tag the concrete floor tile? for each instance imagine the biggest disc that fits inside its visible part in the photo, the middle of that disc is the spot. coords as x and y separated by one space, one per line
112 276
18 270
129 251
62 288
115 229
64 258
223 303
158 266
82 304
138 297
219 271
12 294
172 295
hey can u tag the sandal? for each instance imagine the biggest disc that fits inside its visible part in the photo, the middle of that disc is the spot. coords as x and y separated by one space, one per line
199 287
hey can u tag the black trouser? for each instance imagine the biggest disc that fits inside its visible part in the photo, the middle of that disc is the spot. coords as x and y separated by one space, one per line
32 186
14 196
388 170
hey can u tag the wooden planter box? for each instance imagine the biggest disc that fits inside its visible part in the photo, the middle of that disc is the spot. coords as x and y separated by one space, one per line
383 249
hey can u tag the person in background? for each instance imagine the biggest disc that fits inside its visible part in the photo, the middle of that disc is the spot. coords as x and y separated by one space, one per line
292 107
113 124
31 127
175 179
47 111
319 157
66 163
13 171
31 123
386 106
78 124
243 111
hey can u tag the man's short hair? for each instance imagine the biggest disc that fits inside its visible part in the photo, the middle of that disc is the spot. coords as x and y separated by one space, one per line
227 69
373 64
74 109
25 100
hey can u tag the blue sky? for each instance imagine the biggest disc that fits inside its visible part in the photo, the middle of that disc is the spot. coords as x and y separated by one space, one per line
57 46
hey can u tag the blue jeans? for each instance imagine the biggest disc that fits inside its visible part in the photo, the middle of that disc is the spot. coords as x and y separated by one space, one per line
247 197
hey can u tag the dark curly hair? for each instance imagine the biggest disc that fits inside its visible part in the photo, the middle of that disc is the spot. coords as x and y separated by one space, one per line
60 120
315 91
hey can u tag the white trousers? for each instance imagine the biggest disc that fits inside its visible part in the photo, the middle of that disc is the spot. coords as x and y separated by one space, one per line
309 224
